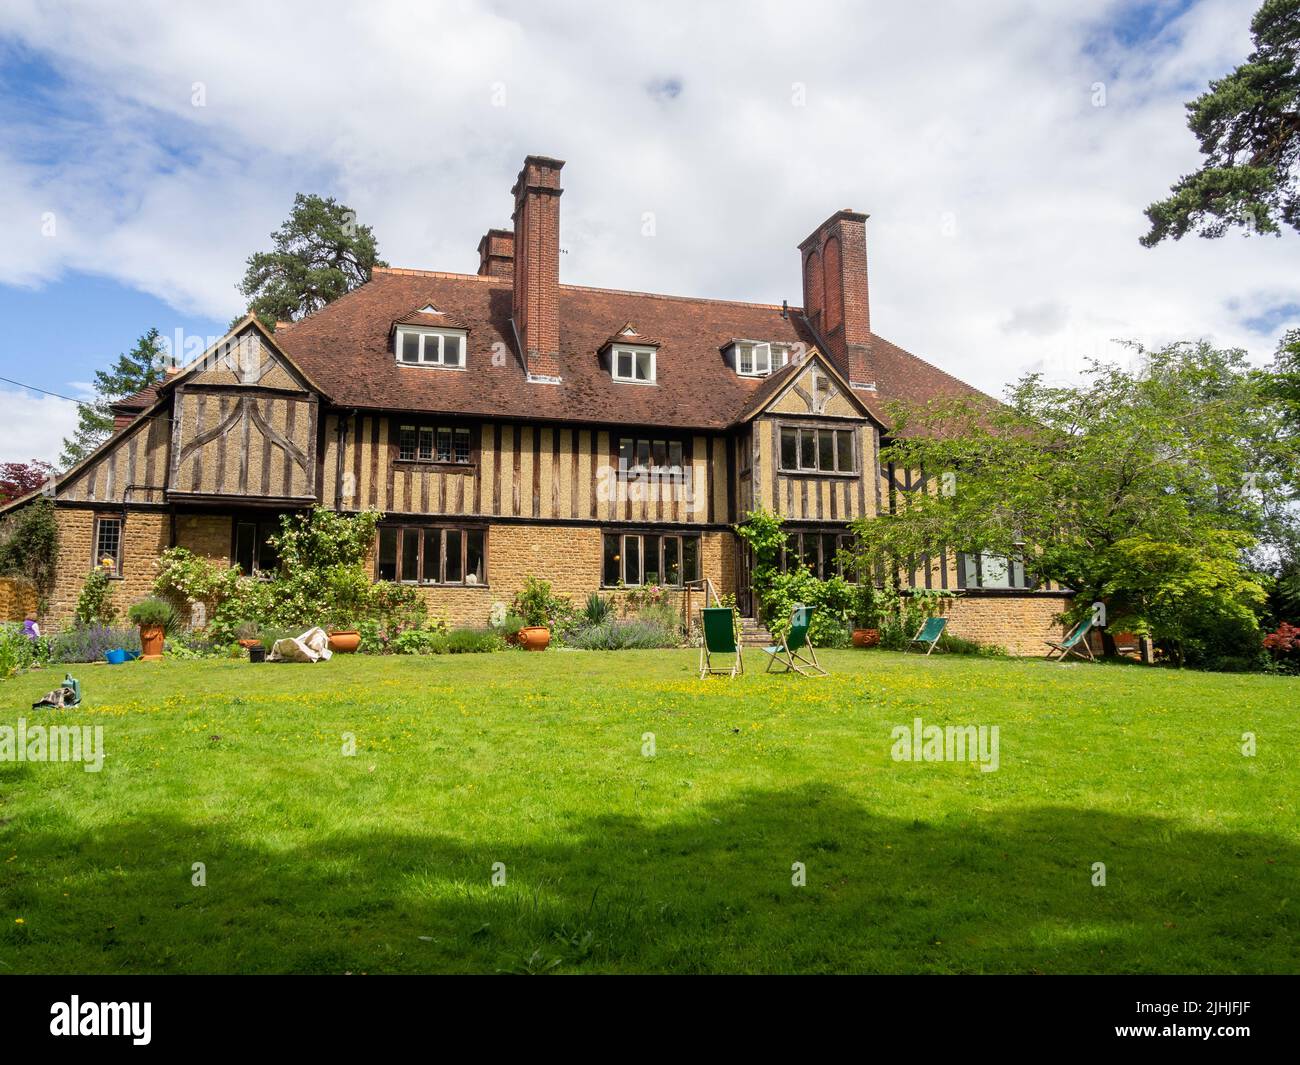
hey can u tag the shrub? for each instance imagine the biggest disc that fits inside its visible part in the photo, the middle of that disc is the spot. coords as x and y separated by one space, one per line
150 612
436 641
597 609
87 643
18 652
624 634
29 545
95 604
536 604
1284 645
957 645
473 641
323 579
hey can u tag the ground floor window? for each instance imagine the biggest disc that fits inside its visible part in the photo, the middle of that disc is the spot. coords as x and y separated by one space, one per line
985 570
818 549
650 558
254 552
108 545
438 554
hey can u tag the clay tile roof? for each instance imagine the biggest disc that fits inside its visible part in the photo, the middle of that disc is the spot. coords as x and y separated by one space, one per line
629 335
420 316
345 348
137 401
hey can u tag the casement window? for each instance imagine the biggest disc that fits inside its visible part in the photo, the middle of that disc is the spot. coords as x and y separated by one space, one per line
806 449
108 545
986 570
434 443
424 554
636 365
757 358
642 457
254 552
638 559
819 550
430 347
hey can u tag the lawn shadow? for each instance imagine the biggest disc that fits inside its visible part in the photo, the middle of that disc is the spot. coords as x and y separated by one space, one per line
709 891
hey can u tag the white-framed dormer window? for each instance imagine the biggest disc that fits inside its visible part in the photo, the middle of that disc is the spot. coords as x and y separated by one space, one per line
416 346
636 365
758 358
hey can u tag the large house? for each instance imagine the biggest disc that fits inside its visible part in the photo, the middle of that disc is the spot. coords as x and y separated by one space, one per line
507 424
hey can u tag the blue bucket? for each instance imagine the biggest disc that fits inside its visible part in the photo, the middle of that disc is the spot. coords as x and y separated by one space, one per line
115 657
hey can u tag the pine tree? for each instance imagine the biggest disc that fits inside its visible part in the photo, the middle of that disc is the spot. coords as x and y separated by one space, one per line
1248 124
320 254
134 370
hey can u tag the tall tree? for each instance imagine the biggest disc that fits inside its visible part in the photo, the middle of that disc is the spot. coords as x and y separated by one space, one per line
1175 461
320 254
1248 124
134 370
19 478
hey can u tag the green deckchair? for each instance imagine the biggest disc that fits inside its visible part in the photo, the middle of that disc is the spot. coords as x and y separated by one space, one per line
929 634
794 641
1070 645
720 639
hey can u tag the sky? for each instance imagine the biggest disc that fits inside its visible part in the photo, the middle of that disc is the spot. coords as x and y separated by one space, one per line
1004 151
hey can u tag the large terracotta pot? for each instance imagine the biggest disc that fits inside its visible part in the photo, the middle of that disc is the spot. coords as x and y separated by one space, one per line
866 637
151 642
534 637
344 641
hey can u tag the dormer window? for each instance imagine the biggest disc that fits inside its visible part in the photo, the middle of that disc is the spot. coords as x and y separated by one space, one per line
415 346
758 358
633 364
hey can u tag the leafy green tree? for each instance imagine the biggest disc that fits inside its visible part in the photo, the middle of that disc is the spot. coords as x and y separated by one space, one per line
1248 124
1197 601
1181 452
136 369
321 253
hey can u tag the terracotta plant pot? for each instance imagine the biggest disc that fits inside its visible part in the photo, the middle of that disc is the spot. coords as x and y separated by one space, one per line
248 645
344 641
866 637
534 637
151 642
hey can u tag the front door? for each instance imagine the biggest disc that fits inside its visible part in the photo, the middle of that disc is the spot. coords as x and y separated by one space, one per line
744 589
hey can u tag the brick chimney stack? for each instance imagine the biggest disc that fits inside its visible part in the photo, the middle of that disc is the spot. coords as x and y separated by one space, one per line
536 301
835 297
496 253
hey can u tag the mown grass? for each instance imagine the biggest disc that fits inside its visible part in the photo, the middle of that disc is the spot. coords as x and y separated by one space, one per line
614 861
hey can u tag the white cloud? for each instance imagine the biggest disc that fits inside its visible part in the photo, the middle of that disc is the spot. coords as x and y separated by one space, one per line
1005 207
33 426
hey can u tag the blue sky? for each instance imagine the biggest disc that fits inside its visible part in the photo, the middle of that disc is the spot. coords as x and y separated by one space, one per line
167 141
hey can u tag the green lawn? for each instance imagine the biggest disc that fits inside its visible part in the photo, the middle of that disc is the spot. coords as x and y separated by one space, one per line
382 862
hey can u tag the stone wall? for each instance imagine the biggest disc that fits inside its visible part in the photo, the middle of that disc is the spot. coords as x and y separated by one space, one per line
566 555
1019 623
145 536
17 598
208 535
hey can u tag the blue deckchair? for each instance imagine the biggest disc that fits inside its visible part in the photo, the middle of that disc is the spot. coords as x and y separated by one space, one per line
1070 645
929 634
720 639
792 643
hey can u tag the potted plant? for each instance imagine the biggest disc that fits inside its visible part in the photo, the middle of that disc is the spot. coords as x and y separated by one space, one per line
866 616
152 616
249 638
345 637
534 605
511 626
